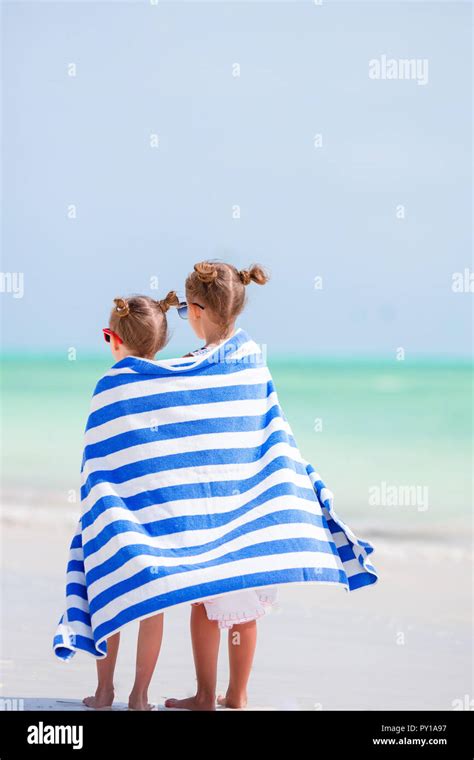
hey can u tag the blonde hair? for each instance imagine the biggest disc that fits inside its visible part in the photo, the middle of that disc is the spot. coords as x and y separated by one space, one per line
221 288
141 323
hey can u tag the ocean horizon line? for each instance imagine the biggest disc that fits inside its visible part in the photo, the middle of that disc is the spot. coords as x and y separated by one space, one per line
367 359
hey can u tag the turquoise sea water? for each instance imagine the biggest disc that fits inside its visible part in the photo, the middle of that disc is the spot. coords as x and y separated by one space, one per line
361 424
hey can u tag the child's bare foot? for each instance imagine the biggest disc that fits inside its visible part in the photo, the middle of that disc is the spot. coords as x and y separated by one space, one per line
234 701
192 703
102 700
139 702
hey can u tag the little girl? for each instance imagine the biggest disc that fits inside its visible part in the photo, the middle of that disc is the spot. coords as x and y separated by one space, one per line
215 296
137 327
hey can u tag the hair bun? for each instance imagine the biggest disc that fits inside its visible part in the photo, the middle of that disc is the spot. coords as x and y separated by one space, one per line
170 300
121 307
206 271
255 274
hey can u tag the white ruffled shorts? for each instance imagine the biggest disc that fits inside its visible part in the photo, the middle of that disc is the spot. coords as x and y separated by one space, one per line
241 606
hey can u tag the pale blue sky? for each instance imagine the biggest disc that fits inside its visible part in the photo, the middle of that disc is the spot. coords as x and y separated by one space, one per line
305 212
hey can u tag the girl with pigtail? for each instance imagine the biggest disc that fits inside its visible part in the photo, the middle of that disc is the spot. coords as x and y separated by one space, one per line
138 327
215 296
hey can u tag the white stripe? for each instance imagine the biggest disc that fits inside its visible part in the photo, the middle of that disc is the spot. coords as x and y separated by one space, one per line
77 628
74 576
75 554
353 567
339 539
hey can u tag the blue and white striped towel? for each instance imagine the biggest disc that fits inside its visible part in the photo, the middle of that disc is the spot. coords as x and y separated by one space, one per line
193 486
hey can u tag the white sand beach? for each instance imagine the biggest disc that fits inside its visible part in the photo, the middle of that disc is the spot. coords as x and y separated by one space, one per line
405 643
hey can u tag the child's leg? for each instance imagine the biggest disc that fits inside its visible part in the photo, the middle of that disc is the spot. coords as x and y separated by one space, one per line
104 695
242 643
150 636
205 636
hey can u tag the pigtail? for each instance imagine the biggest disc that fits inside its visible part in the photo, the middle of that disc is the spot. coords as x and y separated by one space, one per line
122 308
170 300
256 274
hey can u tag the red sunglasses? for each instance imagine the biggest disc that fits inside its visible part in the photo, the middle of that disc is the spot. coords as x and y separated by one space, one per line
110 334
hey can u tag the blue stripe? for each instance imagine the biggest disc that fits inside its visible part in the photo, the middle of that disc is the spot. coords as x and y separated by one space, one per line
75 614
361 579
76 589
346 553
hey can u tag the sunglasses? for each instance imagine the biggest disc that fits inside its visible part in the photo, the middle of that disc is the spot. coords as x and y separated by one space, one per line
183 308
108 334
